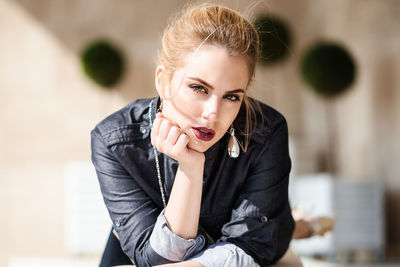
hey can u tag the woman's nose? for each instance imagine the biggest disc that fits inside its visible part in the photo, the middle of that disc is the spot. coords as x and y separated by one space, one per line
210 110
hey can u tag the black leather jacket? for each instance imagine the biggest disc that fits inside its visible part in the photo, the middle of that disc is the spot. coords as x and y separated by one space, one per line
244 201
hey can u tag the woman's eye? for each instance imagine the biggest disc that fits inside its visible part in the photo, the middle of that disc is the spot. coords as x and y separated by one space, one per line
233 98
198 88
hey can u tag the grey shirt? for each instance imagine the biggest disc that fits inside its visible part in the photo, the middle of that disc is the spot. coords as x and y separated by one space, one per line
174 248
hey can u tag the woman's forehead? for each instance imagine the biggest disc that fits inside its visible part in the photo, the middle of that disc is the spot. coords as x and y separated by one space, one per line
214 65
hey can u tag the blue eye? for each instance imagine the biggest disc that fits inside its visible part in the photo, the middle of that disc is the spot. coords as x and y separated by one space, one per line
233 98
198 88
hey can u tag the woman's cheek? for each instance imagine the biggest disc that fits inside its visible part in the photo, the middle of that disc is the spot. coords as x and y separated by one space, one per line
193 104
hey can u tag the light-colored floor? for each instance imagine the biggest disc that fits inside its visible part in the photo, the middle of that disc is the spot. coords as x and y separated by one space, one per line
308 262
41 262
52 262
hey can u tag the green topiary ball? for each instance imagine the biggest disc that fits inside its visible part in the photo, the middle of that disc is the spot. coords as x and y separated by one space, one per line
274 39
103 63
328 68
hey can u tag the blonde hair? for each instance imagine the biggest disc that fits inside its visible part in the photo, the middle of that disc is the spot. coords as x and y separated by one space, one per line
214 25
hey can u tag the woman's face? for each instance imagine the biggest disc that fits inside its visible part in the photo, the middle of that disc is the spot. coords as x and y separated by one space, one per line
204 96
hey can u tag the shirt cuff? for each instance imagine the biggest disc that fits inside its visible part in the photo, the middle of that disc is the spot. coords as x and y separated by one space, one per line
171 246
224 254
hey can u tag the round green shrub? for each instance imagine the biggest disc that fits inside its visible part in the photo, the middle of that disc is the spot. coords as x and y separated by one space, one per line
275 39
328 68
103 63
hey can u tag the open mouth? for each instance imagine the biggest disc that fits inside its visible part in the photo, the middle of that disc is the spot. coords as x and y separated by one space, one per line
203 133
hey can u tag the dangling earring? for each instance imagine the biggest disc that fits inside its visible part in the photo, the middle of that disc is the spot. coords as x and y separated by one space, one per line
233 145
159 109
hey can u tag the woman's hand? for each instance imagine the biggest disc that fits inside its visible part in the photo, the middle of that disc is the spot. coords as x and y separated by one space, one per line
169 139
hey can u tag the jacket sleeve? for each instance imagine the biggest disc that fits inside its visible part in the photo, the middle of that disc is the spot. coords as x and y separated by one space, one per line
261 223
134 214
224 254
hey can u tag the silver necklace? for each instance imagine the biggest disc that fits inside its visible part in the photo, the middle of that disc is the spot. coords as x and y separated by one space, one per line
156 159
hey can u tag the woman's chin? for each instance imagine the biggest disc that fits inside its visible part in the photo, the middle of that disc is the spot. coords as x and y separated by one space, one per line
198 146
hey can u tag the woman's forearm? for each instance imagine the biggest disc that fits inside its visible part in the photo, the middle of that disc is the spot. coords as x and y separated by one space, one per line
183 209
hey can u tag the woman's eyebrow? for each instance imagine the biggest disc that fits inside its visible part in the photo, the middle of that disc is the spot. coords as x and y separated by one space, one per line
212 88
236 91
203 82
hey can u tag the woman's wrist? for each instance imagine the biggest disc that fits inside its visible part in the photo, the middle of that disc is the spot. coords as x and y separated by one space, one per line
192 170
183 208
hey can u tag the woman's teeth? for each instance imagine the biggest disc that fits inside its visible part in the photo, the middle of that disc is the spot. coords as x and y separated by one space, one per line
204 132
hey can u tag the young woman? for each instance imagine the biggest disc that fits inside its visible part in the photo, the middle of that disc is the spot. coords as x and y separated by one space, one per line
199 175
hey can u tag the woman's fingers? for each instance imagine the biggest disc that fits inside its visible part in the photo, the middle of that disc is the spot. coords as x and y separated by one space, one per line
166 135
173 135
171 140
155 129
181 143
164 129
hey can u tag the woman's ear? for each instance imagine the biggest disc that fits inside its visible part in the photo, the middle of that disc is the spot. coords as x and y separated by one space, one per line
160 80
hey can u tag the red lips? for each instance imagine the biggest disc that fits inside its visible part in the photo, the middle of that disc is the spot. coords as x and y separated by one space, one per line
203 133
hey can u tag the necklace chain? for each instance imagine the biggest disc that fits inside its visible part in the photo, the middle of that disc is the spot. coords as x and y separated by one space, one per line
156 159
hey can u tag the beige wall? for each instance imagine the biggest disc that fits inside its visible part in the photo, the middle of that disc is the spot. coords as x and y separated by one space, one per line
47 107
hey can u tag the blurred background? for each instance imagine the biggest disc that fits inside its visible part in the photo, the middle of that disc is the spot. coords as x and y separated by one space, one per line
344 125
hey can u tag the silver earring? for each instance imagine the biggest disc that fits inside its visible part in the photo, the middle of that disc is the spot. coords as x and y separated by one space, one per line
159 109
233 145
